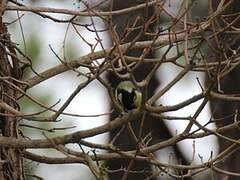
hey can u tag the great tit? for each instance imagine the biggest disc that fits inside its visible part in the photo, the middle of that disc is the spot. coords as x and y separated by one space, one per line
128 96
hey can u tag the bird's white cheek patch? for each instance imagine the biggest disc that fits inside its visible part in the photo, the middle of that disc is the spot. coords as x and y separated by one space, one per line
120 97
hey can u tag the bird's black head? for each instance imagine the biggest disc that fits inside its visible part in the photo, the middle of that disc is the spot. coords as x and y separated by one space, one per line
127 99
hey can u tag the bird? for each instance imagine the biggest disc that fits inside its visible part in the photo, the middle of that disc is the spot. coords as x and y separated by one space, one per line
128 96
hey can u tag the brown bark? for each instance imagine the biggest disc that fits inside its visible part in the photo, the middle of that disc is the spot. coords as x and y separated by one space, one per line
11 167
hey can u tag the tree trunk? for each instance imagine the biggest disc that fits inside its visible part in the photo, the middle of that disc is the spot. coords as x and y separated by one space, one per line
11 159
